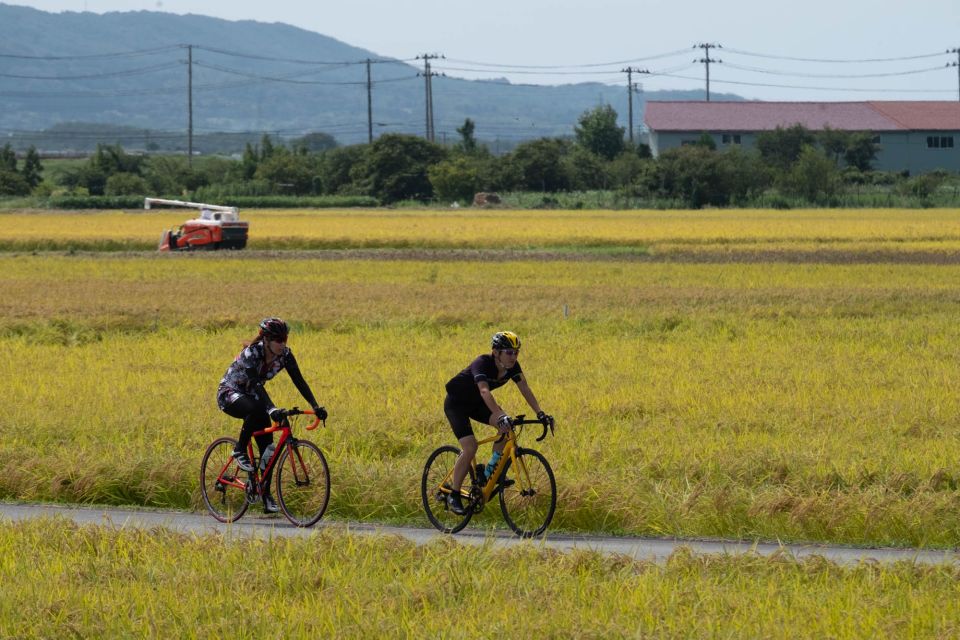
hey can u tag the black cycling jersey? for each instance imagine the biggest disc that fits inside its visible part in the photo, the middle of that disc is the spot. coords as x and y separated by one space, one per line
463 388
246 375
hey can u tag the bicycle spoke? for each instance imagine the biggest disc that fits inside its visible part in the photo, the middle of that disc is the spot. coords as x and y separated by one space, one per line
303 483
434 488
221 483
528 504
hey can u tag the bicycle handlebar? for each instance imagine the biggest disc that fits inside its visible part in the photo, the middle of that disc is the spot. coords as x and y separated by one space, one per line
298 412
521 420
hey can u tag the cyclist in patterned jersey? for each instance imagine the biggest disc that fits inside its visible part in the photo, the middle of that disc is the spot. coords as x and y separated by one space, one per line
241 393
469 397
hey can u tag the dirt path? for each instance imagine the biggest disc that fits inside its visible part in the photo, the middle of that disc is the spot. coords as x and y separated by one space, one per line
654 549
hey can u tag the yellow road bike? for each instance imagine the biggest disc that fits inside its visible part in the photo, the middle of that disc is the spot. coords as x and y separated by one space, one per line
522 478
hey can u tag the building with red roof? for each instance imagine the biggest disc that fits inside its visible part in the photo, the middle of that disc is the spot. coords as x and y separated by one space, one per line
916 136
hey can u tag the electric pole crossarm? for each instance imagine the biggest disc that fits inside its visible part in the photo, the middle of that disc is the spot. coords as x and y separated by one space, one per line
706 59
428 92
630 71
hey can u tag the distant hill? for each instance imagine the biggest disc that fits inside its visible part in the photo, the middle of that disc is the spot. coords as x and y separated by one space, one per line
251 77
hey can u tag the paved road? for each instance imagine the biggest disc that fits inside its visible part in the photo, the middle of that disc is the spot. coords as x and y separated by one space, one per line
655 549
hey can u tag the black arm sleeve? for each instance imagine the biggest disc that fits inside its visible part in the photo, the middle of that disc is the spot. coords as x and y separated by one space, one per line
263 395
293 370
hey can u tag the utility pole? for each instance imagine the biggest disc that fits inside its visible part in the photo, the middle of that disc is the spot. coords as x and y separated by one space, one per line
630 71
706 59
957 65
190 105
428 92
369 106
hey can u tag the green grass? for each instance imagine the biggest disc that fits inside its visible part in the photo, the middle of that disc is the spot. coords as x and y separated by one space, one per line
794 402
93 581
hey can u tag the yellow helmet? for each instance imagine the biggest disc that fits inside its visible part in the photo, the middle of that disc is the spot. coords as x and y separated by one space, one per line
505 340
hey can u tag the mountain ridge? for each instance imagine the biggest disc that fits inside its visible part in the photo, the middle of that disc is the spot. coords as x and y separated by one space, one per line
130 68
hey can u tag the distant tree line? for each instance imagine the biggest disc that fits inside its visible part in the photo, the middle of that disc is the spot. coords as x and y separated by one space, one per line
787 165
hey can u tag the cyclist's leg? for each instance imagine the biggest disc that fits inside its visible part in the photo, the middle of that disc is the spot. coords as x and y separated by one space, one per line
264 441
459 418
252 411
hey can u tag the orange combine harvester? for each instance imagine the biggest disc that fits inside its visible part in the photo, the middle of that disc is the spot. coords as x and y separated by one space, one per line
217 227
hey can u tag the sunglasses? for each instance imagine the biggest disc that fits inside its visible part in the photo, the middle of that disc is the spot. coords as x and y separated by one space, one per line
282 340
510 352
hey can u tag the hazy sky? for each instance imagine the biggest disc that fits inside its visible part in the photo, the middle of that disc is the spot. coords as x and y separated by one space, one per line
772 50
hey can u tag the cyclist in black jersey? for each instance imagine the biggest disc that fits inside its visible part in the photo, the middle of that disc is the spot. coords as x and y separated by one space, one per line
241 393
469 397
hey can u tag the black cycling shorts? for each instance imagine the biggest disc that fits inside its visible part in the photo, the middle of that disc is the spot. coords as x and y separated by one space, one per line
460 414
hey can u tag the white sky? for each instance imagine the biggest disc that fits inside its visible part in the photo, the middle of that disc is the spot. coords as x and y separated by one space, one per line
566 35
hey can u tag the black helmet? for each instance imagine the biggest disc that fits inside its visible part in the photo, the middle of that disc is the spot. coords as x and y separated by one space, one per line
274 328
505 340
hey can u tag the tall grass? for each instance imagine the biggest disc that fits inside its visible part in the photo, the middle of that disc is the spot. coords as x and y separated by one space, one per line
91 581
742 400
659 232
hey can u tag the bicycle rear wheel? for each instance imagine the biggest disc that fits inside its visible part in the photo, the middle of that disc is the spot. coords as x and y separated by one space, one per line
303 483
528 504
222 483
436 473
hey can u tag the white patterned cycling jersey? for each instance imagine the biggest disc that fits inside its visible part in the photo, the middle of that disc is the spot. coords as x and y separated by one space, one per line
247 373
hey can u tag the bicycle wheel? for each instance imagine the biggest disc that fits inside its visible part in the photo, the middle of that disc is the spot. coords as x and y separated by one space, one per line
303 483
528 503
222 483
437 471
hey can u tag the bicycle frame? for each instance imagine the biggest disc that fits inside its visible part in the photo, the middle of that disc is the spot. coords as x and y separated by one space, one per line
286 436
509 455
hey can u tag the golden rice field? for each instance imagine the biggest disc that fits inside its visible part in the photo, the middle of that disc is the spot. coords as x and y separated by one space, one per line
739 374
810 401
660 232
69 581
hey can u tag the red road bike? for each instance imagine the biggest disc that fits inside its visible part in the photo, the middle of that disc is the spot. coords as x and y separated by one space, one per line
302 477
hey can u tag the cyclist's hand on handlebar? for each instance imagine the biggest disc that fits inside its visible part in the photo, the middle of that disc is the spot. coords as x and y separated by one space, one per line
504 423
545 419
320 412
277 415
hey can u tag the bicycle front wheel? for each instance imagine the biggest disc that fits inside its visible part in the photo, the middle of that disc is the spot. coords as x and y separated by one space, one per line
434 489
222 483
303 483
529 502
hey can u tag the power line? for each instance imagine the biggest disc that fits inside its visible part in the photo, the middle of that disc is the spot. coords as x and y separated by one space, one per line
122 54
838 76
833 60
91 76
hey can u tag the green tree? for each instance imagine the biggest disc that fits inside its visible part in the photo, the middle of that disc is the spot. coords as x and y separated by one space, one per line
467 143
266 147
457 178
173 175
628 169
291 173
701 177
126 184
249 162
537 165
597 131
834 143
813 177
586 170
396 168
782 146
8 159
336 168
316 142
13 184
32 168
109 159
706 141
861 151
